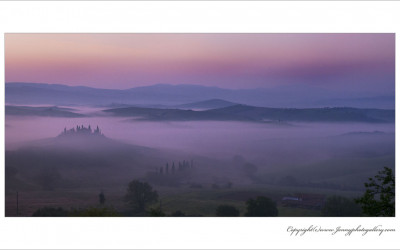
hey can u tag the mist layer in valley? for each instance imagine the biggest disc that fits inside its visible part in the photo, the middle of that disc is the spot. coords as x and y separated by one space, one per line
316 155
210 153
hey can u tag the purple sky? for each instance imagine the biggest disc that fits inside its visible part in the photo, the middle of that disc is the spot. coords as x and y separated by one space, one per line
337 61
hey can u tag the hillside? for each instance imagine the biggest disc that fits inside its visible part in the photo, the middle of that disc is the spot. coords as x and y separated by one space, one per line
40 111
259 114
299 96
76 159
208 104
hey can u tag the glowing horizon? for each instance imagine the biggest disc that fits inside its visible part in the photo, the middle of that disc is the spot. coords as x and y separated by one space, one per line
336 61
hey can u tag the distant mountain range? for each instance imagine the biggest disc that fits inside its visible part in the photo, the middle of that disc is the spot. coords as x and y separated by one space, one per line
233 112
258 114
192 96
363 133
208 104
41 111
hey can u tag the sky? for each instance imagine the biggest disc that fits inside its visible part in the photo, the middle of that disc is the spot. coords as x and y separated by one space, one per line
354 62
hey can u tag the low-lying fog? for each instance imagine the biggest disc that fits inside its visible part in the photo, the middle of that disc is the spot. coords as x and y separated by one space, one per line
214 139
320 156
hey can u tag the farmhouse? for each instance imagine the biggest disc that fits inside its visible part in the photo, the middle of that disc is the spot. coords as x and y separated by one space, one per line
307 201
81 130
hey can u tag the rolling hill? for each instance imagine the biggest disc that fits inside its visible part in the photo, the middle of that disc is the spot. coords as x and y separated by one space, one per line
41 111
258 114
208 104
296 96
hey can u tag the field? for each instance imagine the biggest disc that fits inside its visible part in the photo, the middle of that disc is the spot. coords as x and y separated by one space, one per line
192 202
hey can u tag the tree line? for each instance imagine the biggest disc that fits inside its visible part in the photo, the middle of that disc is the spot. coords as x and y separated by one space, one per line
182 166
378 200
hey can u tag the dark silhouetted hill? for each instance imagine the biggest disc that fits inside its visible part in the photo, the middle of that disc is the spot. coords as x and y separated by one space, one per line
40 111
208 104
82 159
259 114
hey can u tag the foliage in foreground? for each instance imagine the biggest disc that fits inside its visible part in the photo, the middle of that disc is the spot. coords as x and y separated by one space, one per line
139 195
50 212
86 212
95 212
227 211
338 206
261 207
156 212
379 198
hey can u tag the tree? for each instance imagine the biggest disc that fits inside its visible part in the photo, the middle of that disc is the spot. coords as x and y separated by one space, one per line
378 199
173 168
338 206
156 212
139 195
102 198
261 207
227 211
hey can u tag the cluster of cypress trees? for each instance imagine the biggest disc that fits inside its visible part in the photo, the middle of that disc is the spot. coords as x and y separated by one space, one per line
82 129
182 166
